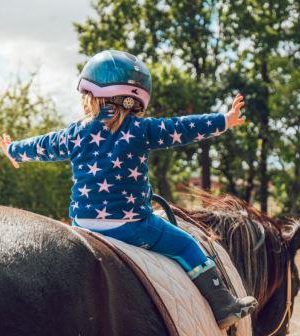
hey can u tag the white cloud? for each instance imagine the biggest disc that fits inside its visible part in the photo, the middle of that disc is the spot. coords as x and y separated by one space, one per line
38 35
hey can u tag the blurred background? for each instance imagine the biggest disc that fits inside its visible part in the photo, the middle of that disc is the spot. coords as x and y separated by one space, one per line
201 53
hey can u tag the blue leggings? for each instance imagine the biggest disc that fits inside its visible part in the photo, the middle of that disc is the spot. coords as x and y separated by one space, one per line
156 234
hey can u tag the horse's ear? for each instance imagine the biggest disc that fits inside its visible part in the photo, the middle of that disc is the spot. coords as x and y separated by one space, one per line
290 232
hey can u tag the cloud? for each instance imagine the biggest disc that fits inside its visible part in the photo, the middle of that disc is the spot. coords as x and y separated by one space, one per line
38 35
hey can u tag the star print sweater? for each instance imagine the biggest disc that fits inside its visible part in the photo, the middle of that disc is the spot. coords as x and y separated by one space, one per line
110 170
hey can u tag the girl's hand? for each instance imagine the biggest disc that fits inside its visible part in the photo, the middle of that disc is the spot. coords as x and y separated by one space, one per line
5 140
234 115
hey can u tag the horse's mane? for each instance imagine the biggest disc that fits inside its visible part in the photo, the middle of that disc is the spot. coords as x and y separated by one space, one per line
238 226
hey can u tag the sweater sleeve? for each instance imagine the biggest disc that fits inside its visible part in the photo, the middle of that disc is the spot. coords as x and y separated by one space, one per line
178 131
52 146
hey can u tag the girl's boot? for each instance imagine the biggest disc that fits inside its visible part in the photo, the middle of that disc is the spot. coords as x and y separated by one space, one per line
227 308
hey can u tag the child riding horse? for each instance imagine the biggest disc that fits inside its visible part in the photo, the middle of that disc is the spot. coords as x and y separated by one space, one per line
109 150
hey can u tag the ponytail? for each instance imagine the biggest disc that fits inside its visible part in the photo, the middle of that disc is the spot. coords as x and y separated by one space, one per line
92 106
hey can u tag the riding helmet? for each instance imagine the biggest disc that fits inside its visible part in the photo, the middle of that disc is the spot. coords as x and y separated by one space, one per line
117 75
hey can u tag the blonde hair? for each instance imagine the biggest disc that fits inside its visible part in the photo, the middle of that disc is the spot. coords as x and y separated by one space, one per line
92 106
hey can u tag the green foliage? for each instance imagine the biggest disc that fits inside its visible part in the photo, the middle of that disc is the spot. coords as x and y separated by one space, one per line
38 187
268 34
200 54
217 48
161 32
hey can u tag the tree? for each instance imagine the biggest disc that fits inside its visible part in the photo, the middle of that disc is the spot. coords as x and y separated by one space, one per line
285 102
39 187
160 31
222 46
266 28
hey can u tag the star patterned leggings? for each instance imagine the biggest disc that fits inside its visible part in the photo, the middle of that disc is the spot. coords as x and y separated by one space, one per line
157 234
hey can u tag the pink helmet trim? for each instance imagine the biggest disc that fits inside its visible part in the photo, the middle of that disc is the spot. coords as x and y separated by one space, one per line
115 90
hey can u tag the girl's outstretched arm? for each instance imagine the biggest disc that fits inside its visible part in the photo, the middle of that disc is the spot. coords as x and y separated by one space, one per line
53 146
177 131
5 141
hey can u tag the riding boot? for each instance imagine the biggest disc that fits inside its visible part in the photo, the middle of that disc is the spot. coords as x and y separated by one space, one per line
227 308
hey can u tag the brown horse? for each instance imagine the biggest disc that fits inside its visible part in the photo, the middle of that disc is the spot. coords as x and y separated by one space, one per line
52 283
264 270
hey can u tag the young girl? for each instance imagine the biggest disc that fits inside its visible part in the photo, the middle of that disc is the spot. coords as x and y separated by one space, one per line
109 150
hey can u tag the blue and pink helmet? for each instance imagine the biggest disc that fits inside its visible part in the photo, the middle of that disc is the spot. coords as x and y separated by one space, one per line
119 76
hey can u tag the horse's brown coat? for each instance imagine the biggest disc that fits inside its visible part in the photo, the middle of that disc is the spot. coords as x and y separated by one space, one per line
52 284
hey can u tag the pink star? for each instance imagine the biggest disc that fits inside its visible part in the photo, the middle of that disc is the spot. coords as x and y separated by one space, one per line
142 159
199 137
102 214
63 140
117 163
97 138
160 141
24 157
162 126
176 137
137 123
93 169
126 136
77 142
124 192
217 132
130 156
75 205
118 177
84 191
104 186
134 173
129 214
130 199
40 150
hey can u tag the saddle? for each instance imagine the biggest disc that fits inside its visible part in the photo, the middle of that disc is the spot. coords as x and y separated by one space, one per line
184 310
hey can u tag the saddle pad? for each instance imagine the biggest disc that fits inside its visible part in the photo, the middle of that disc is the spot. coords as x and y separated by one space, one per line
189 311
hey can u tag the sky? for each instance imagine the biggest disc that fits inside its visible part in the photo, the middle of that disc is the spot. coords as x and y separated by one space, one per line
38 35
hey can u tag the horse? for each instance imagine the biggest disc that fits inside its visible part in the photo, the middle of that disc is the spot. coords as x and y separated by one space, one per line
262 249
52 283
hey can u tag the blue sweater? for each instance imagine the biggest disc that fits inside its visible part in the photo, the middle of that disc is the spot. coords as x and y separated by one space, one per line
110 170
